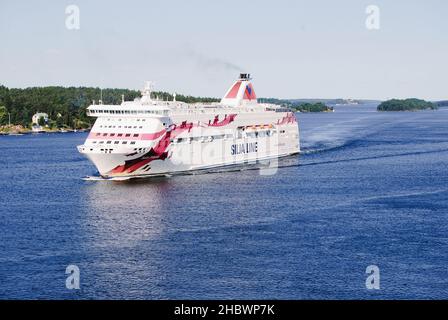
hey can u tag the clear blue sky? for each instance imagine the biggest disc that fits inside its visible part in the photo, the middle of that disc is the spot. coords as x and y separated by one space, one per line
308 49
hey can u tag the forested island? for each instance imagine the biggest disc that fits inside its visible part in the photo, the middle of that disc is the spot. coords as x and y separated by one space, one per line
406 105
312 107
300 106
65 106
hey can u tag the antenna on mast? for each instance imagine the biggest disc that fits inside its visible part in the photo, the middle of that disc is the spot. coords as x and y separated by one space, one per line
147 92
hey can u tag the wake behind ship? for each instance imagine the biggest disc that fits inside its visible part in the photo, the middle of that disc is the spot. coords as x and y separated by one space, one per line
149 137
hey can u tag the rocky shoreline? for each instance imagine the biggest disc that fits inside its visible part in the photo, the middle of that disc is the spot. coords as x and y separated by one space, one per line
21 130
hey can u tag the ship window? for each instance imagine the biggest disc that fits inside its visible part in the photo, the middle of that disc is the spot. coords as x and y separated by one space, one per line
135 127
119 135
97 134
101 142
104 134
127 135
124 142
93 141
112 134
109 142
102 149
132 142
136 135
140 127
117 142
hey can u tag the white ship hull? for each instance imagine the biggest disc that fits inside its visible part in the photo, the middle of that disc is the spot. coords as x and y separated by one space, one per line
167 138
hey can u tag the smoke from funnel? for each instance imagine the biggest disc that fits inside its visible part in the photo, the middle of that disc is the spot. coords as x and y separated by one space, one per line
210 63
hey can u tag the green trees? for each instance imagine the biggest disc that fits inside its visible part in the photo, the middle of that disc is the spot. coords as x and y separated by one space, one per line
406 105
41 121
59 121
3 115
313 107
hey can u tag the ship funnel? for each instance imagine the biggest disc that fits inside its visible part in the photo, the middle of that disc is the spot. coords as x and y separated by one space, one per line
241 92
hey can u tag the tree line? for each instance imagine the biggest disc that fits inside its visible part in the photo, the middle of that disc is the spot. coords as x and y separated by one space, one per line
66 106
406 105
300 106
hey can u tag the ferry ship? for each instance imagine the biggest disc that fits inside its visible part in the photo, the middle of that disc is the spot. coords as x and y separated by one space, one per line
148 137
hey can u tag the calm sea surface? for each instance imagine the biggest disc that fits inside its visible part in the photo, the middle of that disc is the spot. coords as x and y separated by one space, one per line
369 189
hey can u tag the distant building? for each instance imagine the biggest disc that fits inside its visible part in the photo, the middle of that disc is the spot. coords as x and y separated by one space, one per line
39 115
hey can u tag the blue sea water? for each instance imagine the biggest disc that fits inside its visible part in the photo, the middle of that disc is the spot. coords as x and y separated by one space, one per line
368 189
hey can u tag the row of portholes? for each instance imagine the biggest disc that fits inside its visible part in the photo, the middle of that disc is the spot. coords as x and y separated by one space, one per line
139 150
127 120
115 142
94 112
135 135
125 127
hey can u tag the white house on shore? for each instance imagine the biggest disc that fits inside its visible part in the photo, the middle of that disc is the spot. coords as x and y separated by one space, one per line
39 115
